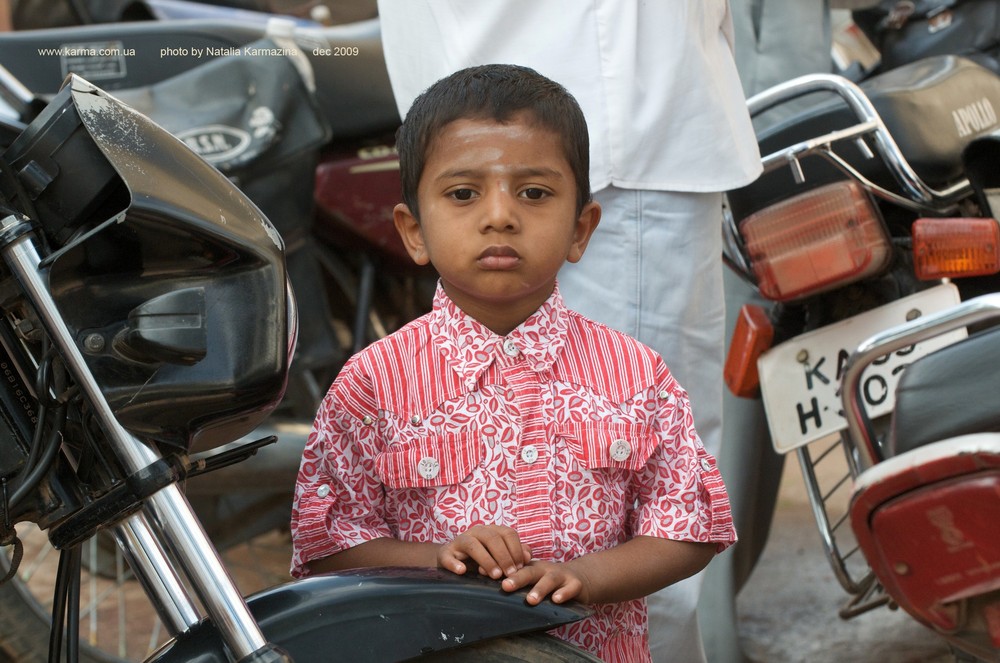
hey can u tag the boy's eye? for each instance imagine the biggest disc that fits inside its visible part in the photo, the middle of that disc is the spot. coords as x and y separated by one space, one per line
462 194
534 193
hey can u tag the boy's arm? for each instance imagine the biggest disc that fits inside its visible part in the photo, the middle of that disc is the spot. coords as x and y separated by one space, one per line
636 568
378 552
495 551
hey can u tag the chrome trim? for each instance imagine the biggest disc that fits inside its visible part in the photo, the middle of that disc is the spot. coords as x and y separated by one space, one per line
859 425
869 124
168 510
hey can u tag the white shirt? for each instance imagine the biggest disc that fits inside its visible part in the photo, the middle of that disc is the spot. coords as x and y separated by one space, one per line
656 79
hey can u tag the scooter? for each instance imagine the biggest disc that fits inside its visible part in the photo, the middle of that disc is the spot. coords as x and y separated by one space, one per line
877 208
148 323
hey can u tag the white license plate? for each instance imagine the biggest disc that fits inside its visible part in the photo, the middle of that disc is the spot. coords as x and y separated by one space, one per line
800 379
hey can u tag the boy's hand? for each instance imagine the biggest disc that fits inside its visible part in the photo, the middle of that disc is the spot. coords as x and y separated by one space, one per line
562 581
497 550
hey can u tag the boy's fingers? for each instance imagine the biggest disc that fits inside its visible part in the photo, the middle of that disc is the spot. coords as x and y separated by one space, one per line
544 581
479 553
450 562
506 550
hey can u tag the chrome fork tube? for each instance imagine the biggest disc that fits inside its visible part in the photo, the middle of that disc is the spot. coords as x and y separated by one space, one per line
148 561
168 508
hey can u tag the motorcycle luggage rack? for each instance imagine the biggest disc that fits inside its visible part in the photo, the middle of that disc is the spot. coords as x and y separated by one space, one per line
870 123
828 477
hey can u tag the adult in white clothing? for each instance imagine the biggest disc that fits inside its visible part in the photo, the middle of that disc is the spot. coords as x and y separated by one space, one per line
669 131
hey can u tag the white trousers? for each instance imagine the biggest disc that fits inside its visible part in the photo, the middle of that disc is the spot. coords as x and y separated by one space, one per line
653 269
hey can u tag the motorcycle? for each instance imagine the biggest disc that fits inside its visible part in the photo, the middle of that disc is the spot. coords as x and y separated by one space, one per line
873 238
320 162
148 323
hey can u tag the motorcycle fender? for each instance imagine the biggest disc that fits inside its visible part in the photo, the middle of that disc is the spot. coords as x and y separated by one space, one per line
378 615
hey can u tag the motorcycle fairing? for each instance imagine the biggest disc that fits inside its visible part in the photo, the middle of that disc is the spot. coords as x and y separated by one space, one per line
171 279
926 521
379 615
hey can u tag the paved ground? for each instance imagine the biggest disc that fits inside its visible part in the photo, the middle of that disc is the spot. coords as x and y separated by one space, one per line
788 609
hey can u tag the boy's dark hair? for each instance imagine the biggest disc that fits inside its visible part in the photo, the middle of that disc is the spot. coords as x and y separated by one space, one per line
492 92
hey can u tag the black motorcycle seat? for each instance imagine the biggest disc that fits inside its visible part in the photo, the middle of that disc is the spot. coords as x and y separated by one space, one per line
352 83
950 392
353 90
932 108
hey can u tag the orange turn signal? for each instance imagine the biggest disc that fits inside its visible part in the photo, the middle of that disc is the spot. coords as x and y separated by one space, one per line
951 248
752 335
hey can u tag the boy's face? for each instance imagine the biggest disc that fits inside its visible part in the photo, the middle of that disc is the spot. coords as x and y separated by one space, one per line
497 217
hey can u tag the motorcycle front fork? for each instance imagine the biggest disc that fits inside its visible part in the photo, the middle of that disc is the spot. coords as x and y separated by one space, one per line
167 516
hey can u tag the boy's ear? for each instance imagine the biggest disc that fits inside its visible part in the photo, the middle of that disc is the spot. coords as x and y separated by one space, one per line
586 223
409 231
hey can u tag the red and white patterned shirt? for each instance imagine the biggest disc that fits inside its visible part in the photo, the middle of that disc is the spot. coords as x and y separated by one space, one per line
565 430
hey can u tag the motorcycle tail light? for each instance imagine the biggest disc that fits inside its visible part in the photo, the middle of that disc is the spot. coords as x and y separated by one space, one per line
752 335
816 241
945 248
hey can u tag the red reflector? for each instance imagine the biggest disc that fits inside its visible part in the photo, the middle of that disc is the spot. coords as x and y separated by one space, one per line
947 248
752 335
816 241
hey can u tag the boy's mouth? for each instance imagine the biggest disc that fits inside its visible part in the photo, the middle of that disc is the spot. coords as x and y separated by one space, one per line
499 257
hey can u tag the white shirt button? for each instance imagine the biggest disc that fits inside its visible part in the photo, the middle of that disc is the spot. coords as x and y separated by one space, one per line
415 420
529 454
663 393
706 465
323 491
510 348
428 467
620 450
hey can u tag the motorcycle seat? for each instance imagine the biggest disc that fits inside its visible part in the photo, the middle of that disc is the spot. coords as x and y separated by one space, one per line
353 91
352 83
932 108
948 393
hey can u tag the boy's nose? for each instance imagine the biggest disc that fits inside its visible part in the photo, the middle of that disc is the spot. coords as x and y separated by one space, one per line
500 212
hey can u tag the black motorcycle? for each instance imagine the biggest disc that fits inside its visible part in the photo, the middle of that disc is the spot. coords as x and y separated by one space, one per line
147 324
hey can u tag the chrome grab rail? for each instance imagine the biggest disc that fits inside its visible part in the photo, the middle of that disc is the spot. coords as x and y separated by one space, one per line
859 426
168 510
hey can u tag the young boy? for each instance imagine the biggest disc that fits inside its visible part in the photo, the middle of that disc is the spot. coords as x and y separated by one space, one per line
502 430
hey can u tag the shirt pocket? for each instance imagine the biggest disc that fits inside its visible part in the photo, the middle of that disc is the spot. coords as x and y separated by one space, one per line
598 445
435 460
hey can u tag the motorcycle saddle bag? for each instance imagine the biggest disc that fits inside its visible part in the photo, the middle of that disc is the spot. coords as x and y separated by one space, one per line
948 393
932 108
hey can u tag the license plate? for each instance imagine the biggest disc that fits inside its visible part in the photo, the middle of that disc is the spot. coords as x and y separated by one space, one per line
800 379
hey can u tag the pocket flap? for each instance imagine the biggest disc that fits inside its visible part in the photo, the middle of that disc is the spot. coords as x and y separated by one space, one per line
598 444
437 460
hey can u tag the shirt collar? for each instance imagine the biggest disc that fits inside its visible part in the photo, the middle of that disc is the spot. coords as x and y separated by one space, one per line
469 347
